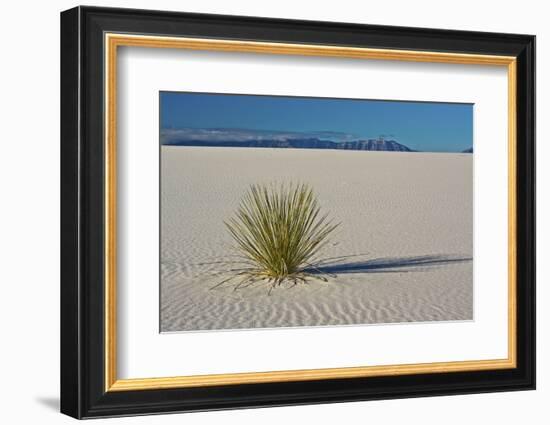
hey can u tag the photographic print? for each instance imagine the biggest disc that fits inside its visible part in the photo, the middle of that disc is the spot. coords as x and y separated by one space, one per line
281 211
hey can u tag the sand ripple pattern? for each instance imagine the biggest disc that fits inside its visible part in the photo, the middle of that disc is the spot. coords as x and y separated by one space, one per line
406 233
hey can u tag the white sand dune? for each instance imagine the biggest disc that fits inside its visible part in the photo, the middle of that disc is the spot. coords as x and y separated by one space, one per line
406 233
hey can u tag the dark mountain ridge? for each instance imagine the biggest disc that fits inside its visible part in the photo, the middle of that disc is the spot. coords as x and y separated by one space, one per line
298 143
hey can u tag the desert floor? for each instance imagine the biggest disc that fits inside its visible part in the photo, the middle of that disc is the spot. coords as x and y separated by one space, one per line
406 238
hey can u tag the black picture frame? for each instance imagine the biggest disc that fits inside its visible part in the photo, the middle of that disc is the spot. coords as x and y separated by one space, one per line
83 392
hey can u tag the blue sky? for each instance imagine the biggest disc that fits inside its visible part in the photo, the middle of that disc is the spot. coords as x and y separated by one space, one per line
423 126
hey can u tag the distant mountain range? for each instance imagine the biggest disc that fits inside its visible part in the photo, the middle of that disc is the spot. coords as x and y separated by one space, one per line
311 143
277 139
469 150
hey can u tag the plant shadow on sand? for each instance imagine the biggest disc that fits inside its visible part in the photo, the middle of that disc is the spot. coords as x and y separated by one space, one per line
332 268
342 265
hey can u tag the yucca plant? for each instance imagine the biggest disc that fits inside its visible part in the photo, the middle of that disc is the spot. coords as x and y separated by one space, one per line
279 232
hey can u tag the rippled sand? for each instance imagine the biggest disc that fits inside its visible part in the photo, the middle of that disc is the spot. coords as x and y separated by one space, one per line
406 233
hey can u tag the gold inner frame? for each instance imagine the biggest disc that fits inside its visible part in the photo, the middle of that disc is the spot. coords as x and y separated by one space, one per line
113 41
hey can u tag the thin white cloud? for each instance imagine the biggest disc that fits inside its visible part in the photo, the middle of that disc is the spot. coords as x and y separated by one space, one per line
235 134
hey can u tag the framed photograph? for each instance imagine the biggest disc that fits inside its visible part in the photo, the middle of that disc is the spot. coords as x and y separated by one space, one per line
261 212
